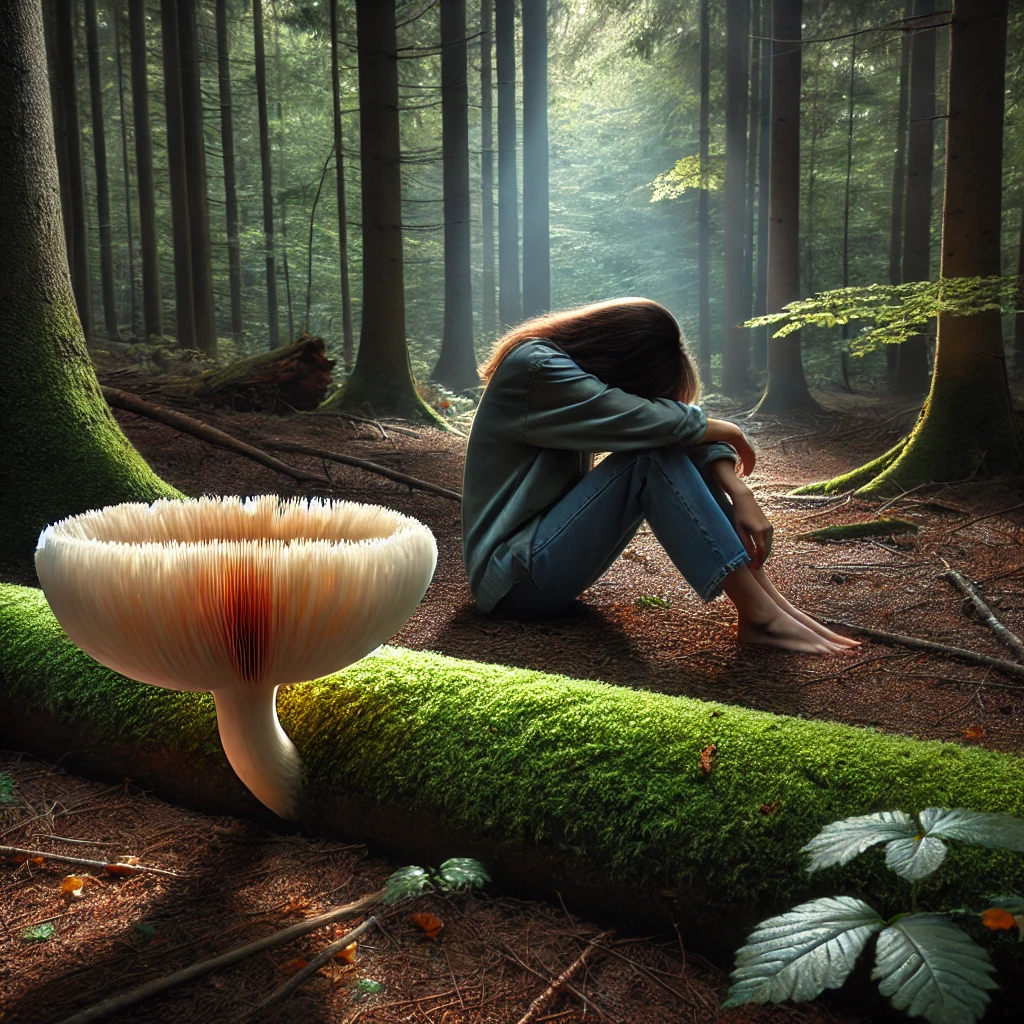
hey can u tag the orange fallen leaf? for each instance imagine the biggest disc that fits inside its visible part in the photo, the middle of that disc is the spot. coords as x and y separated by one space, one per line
974 732
772 808
37 861
72 887
348 954
295 965
706 758
998 920
428 924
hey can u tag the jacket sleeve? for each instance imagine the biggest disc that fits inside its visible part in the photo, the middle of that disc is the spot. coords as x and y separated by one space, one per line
702 455
570 409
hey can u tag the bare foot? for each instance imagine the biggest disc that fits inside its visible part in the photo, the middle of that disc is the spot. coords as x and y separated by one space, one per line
782 630
823 631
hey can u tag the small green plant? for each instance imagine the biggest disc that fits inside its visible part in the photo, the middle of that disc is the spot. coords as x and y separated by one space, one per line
925 963
653 601
454 874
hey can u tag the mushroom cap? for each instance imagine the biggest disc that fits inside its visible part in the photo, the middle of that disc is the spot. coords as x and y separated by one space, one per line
217 592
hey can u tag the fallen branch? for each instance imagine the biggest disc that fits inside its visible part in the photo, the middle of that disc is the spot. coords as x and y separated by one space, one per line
858 531
973 594
560 981
1011 668
211 435
284 445
115 1004
300 977
111 867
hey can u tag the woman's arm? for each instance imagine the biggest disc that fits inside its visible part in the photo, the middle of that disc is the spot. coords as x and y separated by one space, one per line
723 430
751 523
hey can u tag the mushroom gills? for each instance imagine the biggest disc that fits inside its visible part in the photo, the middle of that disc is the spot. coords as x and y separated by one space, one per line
258 749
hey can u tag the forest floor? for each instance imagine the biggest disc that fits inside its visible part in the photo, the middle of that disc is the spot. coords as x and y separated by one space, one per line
638 626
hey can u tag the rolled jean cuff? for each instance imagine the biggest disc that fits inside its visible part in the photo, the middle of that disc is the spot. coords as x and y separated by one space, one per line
715 584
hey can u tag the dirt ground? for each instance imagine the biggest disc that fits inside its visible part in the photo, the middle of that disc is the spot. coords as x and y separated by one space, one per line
496 954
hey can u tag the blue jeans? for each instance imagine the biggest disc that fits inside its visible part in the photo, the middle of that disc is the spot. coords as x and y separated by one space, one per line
580 536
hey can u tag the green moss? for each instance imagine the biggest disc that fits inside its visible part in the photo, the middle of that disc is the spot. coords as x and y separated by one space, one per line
385 396
884 527
608 773
856 477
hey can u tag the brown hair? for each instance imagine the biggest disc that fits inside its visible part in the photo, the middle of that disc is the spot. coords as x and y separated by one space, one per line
633 344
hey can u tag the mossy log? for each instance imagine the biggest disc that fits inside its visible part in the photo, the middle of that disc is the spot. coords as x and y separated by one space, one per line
592 790
283 380
884 527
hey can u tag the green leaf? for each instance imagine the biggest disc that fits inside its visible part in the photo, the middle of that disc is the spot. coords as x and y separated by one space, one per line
930 968
405 882
841 841
916 858
37 932
6 788
801 953
366 987
998 831
462 873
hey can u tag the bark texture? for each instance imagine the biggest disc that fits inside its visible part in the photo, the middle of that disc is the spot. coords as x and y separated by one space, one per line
61 451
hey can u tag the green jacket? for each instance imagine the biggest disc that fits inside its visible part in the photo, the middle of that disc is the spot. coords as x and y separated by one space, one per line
539 421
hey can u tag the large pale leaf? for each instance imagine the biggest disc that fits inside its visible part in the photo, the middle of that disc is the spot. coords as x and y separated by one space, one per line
406 882
799 954
463 873
999 831
841 841
914 859
930 968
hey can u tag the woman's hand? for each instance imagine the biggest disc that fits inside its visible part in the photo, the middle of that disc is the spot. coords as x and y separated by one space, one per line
724 430
753 528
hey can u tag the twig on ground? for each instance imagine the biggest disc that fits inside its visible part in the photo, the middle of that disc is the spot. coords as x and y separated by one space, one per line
300 977
981 519
534 1007
115 1004
1010 668
211 435
973 594
100 865
899 497
366 419
284 445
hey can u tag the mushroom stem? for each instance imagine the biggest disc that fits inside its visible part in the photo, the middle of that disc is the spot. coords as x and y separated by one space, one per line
258 748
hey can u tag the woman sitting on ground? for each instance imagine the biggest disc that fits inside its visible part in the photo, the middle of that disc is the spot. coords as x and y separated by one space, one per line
540 524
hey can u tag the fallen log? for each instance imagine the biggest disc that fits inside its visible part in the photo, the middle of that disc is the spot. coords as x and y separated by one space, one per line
973 595
283 380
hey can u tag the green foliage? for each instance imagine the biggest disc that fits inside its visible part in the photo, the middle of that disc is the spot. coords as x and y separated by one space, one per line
685 176
894 312
924 962
6 788
653 601
37 932
454 874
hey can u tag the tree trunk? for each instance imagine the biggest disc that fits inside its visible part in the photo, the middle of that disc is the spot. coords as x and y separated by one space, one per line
77 240
753 117
57 103
382 376
849 166
348 341
195 171
184 312
703 226
152 301
227 137
265 171
456 364
133 308
510 308
899 173
487 167
967 424
812 178
912 365
1018 323
787 386
282 176
734 336
62 451
536 230
759 341
99 143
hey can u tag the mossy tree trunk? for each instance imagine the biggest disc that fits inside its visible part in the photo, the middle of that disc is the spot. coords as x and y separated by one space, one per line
912 362
382 376
61 451
967 421
456 364
734 337
787 386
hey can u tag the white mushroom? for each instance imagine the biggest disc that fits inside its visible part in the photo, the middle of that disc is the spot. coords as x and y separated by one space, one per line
238 597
